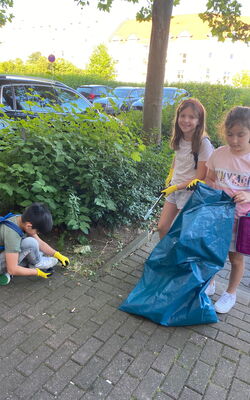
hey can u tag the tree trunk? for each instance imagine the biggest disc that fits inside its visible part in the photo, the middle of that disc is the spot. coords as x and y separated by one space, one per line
152 111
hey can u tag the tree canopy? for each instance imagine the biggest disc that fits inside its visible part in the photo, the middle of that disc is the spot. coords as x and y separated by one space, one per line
101 63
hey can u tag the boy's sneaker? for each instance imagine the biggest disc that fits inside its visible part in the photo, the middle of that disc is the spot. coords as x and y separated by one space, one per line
4 279
46 263
225 303
210 290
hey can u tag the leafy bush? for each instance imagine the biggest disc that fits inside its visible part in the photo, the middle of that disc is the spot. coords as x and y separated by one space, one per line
85 170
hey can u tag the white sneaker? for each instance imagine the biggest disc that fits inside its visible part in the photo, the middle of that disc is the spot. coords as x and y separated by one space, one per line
225 302
46 263
210 290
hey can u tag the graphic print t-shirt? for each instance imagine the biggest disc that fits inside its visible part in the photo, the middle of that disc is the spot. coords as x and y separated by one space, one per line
232 174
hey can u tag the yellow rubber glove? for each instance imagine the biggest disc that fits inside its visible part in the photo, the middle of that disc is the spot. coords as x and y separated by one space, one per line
63 260
43 274
193 184
169 190
169 177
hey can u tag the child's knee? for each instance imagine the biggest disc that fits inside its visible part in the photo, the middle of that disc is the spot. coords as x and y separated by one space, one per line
29 243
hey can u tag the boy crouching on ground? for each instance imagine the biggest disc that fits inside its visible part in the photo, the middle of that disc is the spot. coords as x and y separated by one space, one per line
21 247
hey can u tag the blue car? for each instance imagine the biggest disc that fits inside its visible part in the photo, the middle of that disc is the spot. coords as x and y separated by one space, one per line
121 99
170 96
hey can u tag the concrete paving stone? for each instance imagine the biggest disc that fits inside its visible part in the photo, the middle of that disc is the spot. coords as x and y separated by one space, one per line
117 367
118 273
71 392
56 339
89 373
159 338
228 328
231 354
111 347
35 339
15 311
132 263
236 313
61 355
12 342
132 280
59 380
106 288
159 395
137 273
189 355
107 329
37 309
243 335
124 388
43 395
124 267
197 339
84 332
129 326
238 323
215 392
242 308
116 301
206 330
34 324
239 388
99 390
165 359
141 364
147 327
233 342
34 297
87 350
224 373
175 380
211 352
58 306
10 383
243 370
33 383
12 326
246 318
27 366
80 317
99 298
137 258
189 394
179 337
200 377
8 364
148 385
74 293
142 253
117 283
103 314
135 343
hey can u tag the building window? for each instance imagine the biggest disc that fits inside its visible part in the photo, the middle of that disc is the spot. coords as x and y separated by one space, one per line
226 77
183 57
180 75
207 74
210 54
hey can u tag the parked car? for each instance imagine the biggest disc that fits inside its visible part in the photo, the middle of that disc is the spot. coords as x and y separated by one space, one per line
22 95
93 92
169 96
121 99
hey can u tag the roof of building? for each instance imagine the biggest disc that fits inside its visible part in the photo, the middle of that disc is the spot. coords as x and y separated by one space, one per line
190 25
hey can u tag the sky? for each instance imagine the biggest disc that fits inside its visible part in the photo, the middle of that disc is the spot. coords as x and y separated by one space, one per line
62 28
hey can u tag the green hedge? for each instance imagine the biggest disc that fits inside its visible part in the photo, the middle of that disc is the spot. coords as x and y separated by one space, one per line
87 171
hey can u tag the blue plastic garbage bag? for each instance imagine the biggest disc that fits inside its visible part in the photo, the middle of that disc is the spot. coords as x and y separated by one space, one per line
171 290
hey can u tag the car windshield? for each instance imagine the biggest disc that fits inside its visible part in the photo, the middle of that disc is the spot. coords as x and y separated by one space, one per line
168 93
121 92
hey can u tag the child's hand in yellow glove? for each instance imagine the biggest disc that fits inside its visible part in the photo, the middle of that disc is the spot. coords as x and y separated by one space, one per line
169 177
43 274
193 184
63 260
169 190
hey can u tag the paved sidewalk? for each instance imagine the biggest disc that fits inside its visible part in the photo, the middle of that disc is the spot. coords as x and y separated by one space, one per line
64 338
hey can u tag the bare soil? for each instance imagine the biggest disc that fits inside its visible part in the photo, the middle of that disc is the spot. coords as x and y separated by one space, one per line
89 253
